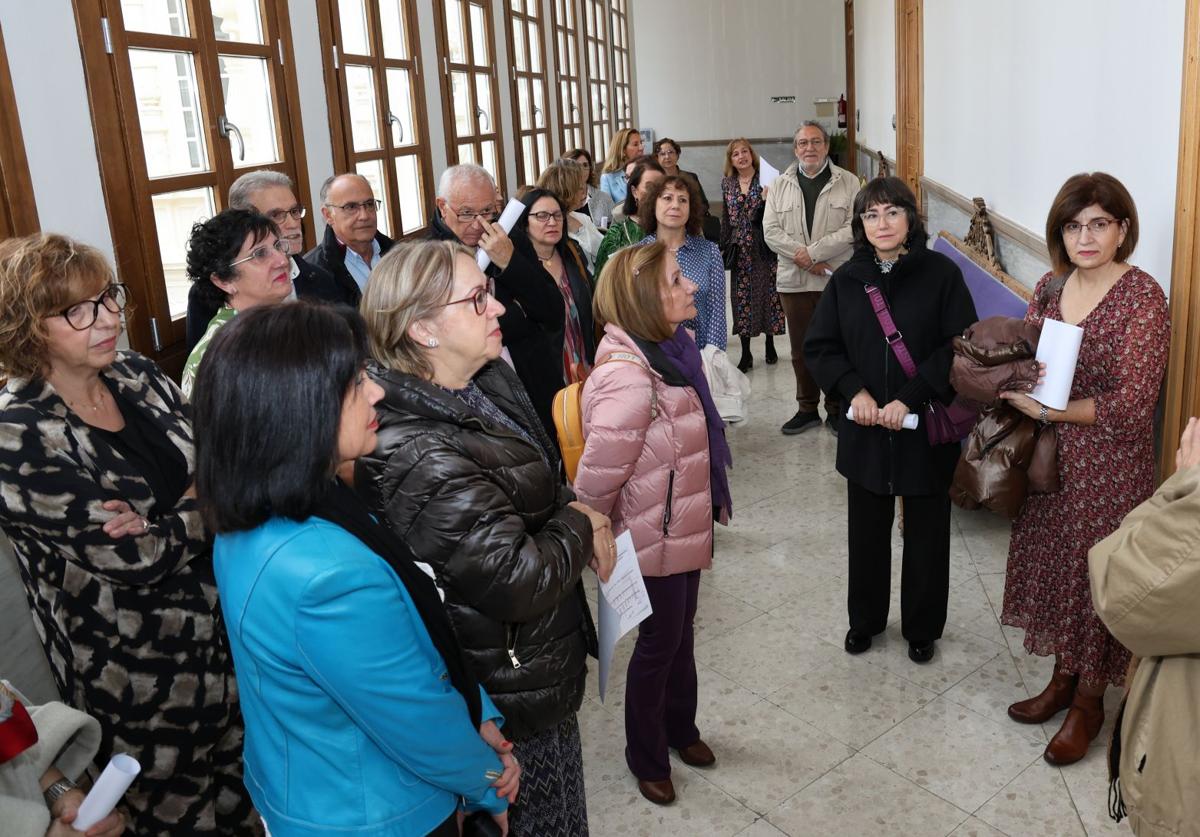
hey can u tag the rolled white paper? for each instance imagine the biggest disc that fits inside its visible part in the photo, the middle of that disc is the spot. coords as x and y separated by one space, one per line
507 218
1058 348
910 419
107 792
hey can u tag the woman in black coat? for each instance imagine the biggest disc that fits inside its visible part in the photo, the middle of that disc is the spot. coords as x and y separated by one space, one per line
848 354
465 474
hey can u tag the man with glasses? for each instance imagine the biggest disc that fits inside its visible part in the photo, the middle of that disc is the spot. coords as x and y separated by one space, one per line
807 223
273 194
353 244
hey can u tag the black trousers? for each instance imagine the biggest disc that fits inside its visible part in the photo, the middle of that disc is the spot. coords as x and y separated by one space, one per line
925 574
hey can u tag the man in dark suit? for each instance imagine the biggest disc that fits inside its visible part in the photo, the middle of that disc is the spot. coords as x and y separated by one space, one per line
353 244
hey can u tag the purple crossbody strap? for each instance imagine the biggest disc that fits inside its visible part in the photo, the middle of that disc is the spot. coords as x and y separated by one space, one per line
890 333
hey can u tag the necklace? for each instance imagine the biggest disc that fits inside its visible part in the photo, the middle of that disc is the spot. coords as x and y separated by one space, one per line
94 407
886 265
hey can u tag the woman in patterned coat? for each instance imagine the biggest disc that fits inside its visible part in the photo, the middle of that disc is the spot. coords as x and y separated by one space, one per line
96 495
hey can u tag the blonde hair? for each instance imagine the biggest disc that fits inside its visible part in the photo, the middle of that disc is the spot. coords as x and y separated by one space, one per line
615 159
40 275
733 143
629 292
411 283
564 179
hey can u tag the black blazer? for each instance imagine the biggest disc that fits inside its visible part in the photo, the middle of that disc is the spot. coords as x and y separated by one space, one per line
330 255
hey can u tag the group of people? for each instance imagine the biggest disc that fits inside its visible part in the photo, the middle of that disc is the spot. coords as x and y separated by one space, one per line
356 502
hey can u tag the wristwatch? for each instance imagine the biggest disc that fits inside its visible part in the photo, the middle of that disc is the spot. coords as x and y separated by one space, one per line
1043 414
55 791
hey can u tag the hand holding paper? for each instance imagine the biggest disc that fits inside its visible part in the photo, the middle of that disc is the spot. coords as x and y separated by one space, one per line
910 420
107 792
507 219
1058 349
623 604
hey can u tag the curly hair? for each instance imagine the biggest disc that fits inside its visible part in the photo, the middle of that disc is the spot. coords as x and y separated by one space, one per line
41 275
214 243
647 211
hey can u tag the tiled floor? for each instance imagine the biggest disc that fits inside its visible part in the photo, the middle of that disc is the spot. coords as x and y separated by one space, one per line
812 741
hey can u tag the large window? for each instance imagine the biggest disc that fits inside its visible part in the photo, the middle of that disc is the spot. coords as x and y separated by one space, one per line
530 117
567 81
596 64
622 83
373 76
470 101
187 96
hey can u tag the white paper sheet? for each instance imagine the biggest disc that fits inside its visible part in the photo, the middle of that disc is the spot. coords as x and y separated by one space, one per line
910 419
107 792
507 218
621 606
766 173
1058 348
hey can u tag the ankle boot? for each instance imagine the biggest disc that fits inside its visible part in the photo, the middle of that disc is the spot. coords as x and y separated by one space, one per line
1079 729
1053 699
747 361
772 357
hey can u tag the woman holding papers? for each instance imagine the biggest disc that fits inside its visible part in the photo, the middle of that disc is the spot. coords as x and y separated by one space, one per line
655 459
465 475
1105 452
852 353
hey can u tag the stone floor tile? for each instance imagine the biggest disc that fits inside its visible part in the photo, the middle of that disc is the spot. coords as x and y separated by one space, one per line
700 810
766 653
767 578
718 613
991 689
1088 783
1035 804
959 654
761 828
975 827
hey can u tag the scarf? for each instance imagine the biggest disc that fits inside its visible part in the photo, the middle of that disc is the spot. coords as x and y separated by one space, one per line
342 507
681 350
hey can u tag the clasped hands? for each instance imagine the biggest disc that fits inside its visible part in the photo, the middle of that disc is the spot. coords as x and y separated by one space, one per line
604 543
868 414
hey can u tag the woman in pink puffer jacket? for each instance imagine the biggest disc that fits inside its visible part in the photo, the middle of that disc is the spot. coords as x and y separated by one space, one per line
654 460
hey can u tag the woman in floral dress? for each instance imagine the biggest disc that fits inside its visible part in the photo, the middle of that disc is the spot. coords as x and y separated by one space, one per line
1105 453
756 306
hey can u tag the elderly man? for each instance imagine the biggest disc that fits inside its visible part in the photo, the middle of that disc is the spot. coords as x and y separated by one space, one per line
353 244
273 194
534 315
807 223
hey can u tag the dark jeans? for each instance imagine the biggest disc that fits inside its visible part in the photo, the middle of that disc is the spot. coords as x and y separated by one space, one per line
925 575
447 829
660 694
798 310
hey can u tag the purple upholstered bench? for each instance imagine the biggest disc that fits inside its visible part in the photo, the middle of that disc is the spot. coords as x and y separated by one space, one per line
994 295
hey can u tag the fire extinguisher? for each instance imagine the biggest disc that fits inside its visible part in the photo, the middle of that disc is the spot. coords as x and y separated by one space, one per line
842 111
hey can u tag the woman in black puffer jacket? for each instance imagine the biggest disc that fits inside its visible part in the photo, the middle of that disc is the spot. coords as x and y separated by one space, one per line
464 472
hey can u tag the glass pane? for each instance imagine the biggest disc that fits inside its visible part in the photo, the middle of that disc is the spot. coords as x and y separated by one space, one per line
364 120
460 90
164 84
518 6
250 105
395 39
535 49
162 17
412 201
466 153
372 170
483 105
488 160
479 39
544 149
174 214
455 38
529 162
539 104
518 46
353 18
572 57
401 107
237 20
524 116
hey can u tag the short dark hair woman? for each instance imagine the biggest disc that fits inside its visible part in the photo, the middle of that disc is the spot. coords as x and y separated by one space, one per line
668 152
599 203
846 351
361 712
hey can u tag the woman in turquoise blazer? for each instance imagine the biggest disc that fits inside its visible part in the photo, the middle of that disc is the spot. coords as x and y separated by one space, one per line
361 715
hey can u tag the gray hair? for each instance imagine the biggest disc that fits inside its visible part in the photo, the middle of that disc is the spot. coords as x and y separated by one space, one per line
461 175
254 181
811 123
329 181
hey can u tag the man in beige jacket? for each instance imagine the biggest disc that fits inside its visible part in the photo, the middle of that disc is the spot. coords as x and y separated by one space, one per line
807 224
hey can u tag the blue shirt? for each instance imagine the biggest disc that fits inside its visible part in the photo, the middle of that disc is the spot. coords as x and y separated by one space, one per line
615 184
700 261
359 269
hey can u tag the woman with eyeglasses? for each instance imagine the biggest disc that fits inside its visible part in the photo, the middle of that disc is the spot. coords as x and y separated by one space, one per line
668 152
239 260
1105 453
599 205
624 148
465 474
96 473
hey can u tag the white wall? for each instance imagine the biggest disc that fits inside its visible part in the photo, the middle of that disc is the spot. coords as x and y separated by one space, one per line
875 74
1022 94
706 69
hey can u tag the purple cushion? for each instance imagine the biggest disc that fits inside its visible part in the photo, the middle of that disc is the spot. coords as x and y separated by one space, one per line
992 297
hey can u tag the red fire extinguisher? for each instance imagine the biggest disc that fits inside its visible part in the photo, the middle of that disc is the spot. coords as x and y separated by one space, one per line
841 111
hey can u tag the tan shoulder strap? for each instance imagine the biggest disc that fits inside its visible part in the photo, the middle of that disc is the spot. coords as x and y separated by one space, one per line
630 357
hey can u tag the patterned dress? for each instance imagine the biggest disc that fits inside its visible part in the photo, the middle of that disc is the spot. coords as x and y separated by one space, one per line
756 306
130 625
1106 470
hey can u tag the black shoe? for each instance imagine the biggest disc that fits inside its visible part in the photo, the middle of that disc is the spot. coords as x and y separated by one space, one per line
918 652
772 356
857 643
746 363
800 422
831 423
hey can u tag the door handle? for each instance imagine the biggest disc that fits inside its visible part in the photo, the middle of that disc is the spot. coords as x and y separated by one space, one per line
394 120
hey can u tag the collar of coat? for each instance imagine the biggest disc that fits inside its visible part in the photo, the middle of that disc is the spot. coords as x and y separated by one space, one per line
788 180
862 264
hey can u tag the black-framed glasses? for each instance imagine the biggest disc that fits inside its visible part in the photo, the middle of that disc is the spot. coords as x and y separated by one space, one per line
296 213
265 252
371 206
82 315
467 216
543 217
479 297
1097 226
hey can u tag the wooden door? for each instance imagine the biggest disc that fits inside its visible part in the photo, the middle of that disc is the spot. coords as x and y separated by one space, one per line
851 161
909 100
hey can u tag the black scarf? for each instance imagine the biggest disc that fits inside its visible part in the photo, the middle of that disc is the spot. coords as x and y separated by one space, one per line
342 507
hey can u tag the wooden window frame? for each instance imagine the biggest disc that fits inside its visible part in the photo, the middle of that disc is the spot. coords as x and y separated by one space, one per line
621 65
517 77
603 43
18 207
571 113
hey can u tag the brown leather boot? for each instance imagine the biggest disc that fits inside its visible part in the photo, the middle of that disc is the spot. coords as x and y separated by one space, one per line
1053 699
1080 727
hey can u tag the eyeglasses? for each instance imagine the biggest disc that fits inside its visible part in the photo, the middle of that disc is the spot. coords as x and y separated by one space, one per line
543 217
371 206
264 254
82 315
1097 226
667 152
479 298
805 143
871 219
467 216
296 213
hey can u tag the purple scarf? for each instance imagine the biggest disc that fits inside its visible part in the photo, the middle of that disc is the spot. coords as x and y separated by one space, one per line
683 353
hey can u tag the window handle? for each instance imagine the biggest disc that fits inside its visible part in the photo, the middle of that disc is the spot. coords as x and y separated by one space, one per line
480 113
225 128
394 120
537 112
